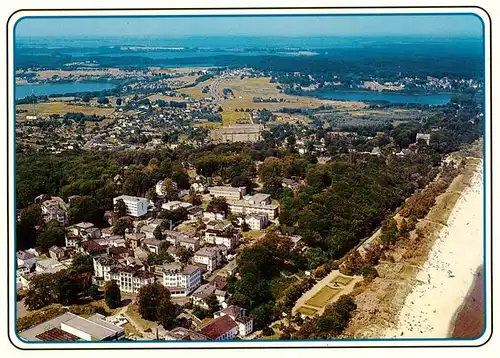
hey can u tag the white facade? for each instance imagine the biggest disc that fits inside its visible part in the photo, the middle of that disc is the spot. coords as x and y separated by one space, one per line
136 206
227 192
244 207
181 281
210 215
173 205
211 257
256 222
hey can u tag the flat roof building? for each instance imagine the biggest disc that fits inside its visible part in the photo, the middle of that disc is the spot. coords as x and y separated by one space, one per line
136 206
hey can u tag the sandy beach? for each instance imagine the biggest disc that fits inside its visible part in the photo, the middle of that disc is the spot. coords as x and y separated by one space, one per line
445 280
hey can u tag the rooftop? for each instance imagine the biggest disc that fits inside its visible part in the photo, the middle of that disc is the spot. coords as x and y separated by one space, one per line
225 188
130 198
218 327
184 334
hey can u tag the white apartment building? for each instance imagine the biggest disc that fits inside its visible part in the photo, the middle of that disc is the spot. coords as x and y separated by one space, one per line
257 221
129 278
173 205
209 256
227 192
136 206
181 280
255 204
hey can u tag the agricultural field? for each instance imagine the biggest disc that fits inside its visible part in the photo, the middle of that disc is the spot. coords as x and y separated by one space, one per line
343 280
245 89
235 117
282 118
47 108
165 98
155 70
196 90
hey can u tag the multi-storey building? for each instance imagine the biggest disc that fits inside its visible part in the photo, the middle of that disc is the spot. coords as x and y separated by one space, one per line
136 206
181 280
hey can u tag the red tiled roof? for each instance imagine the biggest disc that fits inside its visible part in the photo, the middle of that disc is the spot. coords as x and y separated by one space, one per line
219 282
218 327
56 334
92 246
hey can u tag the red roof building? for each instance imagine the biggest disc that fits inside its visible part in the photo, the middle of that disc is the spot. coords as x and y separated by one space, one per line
220 328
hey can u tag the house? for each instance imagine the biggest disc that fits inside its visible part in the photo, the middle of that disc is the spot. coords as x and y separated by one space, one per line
255 204
221 233
135 239
178 238
71 240
49 266
200 295
135 206
55 209
173 205
194 213
184 334
141 253
221 328
181 280
219 282
69 327
238 315
227 192
214 215
21 270
161 188
80 229
93 248
257 221
58 253
111 217
25 258
210 257
425 137
129 276
152 244
290 184
199 188
148 231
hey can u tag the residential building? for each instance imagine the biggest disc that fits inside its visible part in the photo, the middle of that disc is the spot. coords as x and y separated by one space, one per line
55 209
209 257
173 205
129 276
49 266
290 184
194 213
60 253
199 188
255 204
221 328
136 206
221 233
93 248
152 244
238 315
177 238
25 258
425 137
184 334
200 295
181 280
161 188
257 221
214 215
135 239
227 192
70 327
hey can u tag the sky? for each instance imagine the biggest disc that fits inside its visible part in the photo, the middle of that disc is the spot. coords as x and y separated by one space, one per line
353 25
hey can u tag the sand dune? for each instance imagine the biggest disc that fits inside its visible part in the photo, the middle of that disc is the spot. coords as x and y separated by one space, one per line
446 277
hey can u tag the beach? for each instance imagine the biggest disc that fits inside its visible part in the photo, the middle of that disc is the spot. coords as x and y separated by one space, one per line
445 281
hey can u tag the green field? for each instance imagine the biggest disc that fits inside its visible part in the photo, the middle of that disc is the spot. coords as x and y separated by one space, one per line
321 298
306 311
343 280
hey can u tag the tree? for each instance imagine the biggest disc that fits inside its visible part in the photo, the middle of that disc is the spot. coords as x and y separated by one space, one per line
242 181
103 100
412 222
86 97
213 304
118 101
184 254
155 304
93 291
86 209
82 263
157 232
42 291
120 208
389 232
25 229
170 189
315 257
267 331
121 225
218 204
112 294
52 235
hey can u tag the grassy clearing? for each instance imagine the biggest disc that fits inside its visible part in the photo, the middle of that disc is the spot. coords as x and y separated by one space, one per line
195 91
306 311
292 118
129 329
343 280
45 109
252 234
235 117
133 312
321 298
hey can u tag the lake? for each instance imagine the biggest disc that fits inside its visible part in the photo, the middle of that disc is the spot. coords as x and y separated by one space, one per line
60 88
429 99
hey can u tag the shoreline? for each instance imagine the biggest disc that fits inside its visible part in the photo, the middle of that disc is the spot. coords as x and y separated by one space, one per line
447 279
469 319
